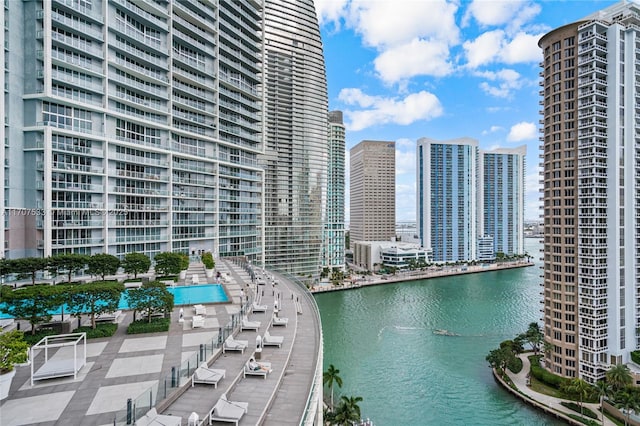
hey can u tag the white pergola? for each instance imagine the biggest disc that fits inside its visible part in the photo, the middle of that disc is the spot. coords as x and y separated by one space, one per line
67 360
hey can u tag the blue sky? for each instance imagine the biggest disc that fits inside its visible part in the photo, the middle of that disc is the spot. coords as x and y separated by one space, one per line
405 69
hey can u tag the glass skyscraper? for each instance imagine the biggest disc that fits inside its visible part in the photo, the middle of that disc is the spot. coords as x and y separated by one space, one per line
334 242
133 126
296 152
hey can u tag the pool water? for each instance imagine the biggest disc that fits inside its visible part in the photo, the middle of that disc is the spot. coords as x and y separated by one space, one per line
182 295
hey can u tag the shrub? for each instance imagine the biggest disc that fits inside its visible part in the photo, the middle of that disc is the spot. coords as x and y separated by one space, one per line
587 422
207 259
635 357
143 326
32 339
543 375
515 365
13 350
575 407
101 330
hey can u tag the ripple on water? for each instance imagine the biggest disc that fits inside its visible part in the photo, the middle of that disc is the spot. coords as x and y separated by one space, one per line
382 340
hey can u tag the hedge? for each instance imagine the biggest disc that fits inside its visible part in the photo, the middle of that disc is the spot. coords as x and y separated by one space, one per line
543 375
101 330
144 326
575 407
635 357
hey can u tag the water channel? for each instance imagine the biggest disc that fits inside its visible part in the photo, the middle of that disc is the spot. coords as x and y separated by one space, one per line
382 340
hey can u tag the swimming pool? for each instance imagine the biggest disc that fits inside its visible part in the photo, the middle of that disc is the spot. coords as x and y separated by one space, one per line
182 295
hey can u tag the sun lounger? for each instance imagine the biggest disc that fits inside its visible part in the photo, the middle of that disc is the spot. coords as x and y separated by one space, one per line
133 284
277 321
152 418
108 316
256 368
269 340
197 321
195 279
207 376
249 325
200 309
228 411
258 308
230 344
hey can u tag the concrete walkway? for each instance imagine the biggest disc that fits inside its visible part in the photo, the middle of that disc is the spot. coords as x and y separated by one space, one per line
520 381
139 367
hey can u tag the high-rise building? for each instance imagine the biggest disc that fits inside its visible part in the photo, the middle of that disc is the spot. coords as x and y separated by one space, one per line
446 199
133 126
590 198
501 175
296 154
372 191
334 233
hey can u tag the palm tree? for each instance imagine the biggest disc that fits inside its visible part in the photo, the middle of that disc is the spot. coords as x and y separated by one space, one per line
603 389
619 376
580 388
348 411
330 377
627 401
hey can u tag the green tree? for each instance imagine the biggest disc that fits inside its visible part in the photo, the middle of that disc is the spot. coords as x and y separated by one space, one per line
500 358
533 336
329 377
28 267
103 264
627 400
207 259
32 303
619 376
69 263
13 350
602 390
348 411
94 299
169 263
153 297
136 263
579 388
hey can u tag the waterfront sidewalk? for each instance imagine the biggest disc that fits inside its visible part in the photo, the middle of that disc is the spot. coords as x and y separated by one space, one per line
552 403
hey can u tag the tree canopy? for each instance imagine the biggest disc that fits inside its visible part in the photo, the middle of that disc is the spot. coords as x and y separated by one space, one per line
153 297
68 263
103 264
94 299
136 263
32 303
169 263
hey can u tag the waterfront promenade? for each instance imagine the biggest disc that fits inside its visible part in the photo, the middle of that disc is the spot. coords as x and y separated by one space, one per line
547 403
416 275
137 367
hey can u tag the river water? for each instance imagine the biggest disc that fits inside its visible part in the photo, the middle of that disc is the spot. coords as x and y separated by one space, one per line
382 340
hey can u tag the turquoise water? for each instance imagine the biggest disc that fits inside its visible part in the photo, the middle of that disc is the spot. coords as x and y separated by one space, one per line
381 339
182 295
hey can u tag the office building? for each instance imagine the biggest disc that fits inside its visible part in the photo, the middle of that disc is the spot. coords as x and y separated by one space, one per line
296 151
590 165
501 174
334 234
372 191
132 126
446 199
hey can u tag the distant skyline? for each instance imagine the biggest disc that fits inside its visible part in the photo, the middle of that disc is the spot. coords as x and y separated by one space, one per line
405 69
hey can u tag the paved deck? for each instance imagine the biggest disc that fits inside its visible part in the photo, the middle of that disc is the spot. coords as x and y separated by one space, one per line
127 366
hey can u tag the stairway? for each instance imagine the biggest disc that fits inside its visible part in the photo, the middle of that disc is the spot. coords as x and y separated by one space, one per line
197 269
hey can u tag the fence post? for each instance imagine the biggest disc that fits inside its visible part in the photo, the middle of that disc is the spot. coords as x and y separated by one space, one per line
129 411
173 377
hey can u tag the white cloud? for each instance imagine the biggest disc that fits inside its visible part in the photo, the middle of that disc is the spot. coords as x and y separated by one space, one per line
497 46
377 110
330 11
405 202
532 195
497 13
492 129
522 131
505 82
405 162
522 48
417 57
484 49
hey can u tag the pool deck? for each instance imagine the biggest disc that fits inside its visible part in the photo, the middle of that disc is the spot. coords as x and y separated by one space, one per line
125 366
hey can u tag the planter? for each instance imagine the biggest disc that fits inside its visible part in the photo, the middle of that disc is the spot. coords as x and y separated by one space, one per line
209 272
183 274
5 383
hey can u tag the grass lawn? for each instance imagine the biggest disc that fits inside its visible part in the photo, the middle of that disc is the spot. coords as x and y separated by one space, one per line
540 387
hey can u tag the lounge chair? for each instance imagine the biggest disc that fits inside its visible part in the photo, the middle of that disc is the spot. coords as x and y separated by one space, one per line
152 418
230 344
200 309
269 340
228 411
277 321
258 308
197 321
256 368
108 316
207 376
249 325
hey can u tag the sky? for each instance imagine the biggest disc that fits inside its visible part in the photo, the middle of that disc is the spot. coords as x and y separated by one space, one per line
405 69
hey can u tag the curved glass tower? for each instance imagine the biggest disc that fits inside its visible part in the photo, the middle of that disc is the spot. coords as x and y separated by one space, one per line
296 152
